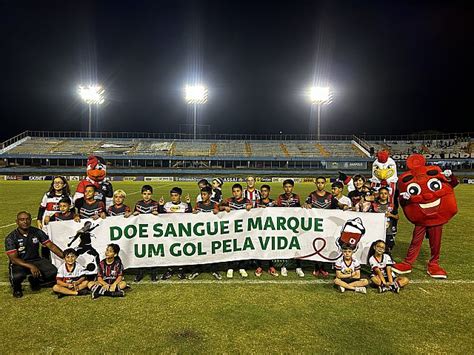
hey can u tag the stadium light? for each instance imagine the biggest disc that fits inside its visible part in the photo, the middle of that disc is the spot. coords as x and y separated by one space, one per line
195 95
319 95
91 95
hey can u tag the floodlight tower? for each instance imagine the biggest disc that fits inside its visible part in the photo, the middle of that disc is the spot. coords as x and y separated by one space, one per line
92 95
195 95
319 95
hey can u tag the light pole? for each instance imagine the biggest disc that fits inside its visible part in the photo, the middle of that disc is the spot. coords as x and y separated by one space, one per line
92 95
319 95
195 95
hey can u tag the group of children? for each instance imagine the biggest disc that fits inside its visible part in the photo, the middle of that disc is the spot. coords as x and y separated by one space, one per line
210 200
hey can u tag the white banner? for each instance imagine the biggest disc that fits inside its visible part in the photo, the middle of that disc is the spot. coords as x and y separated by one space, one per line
186 239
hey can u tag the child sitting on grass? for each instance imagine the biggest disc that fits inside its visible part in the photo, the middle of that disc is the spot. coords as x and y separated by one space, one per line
381 264
70 279
110 276
348 272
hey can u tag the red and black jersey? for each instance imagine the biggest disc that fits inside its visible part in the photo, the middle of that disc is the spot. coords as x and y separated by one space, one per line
146 207
390 223
253 196
104 190
237 204
110 272
326 201
26 245
87 209
50 204
58 216
288 201
269 202
115 210
206 207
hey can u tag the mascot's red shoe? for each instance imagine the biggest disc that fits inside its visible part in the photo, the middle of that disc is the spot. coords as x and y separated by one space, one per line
402 268
436 271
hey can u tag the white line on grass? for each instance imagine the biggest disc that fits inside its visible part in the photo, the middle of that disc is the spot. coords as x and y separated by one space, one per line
421 288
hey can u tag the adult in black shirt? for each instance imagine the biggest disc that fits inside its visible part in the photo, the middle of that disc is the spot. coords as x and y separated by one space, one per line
22 248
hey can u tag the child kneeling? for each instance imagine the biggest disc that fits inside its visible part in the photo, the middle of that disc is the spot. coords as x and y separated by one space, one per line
70 279
348 272
110 276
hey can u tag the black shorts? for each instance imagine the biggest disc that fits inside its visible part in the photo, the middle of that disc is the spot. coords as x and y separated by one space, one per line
349 280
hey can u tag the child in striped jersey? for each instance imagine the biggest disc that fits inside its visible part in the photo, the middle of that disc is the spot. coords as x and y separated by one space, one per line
70 279
66 213
88 206
348 272
119 208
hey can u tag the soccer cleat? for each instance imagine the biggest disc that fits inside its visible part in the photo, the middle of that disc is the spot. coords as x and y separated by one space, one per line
83 292
342 289
139 277
436 271
299 272
217 276
193 275
272 271
17 293
402 268
395 288
243 273
382 289
284 271
230 273
181 275
166 275
153 276
259 272
360 289
315 273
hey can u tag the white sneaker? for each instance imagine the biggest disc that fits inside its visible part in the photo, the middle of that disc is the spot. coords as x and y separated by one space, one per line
299 272
283 271
230 273
342 289
361 289
243 273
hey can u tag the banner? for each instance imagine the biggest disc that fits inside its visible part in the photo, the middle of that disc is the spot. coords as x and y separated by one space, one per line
186 239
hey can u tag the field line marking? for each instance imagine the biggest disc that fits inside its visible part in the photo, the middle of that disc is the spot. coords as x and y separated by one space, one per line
274 282
14 224
421 288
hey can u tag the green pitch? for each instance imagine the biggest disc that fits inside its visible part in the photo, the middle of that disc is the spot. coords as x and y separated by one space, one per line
256 315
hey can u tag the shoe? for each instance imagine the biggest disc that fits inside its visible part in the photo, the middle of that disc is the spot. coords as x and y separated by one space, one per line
34 283
402 268
117 293
193 275
153 276
436 271
272 271
181 275
284 271
83 292
315 273
299 272
139 277
323 273
259 272
217 276
395 288
342 289
17 293
382 289
230 273
361 289
243 273
166 275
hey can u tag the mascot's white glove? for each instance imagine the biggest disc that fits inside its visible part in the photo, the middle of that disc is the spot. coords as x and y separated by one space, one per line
405 195
447 173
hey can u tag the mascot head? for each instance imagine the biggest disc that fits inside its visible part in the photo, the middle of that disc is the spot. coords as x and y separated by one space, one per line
96 168
384 169
432 201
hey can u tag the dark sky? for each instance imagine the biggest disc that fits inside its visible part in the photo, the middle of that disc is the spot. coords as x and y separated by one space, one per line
395 67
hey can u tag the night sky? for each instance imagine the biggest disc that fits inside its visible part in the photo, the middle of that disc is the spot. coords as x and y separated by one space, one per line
394 67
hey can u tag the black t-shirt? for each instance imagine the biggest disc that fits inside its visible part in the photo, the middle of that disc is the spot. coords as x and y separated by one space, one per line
58 216
27 246
266 203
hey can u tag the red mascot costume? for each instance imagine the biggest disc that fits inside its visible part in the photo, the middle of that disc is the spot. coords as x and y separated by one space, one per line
96 175
428 201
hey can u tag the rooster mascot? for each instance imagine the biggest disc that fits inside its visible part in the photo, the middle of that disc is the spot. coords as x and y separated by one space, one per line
96 175
428 201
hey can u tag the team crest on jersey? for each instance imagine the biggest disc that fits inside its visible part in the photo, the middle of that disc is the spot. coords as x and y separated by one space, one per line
35 240
175 208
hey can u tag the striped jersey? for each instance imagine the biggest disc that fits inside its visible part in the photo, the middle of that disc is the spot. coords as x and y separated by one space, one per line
288 201
87 209
69 276
115 210
146 207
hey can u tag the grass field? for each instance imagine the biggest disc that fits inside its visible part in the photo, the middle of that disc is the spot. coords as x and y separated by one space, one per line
266 315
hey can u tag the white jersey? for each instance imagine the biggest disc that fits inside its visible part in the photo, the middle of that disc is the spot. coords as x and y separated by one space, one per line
345 268
70 276
345 200
381 264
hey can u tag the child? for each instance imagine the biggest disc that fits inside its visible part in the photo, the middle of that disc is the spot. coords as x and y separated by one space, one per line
70 279
236 202
381 264
88 206
348 272
119 208
146 206
264 202
290 199
66 213
206 206
251 193
357 194
202 184
110 277
50 203
366 199
382 205
175 206
217 190
337 188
